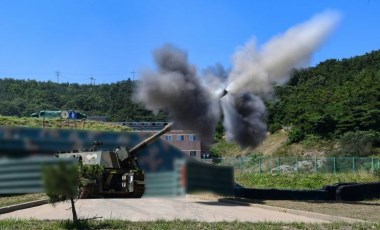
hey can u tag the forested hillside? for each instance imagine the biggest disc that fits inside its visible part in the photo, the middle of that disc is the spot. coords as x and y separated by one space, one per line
327 101
23 97
330 99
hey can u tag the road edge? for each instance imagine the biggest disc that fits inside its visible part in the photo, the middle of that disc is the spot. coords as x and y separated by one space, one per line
295 211
25 205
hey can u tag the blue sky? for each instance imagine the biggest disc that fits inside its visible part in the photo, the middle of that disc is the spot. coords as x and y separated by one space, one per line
109 39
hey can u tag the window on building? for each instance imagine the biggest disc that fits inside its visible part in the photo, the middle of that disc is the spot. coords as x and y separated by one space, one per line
180 138
168 137
193 153
192 137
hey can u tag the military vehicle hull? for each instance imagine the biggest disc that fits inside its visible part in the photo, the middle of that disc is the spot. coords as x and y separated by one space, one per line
114 173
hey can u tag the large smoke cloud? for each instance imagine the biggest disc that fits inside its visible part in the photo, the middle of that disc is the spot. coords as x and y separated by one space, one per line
244 115
255 70
176 88
194 105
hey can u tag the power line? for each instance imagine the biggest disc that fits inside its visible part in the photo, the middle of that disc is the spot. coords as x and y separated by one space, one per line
133 75
95 74
57 74
92 81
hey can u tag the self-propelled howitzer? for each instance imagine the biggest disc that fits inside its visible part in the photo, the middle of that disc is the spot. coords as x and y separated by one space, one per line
113 173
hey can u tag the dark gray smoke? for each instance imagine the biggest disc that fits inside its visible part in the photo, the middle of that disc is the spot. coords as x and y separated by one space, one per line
244 119
195 105
175 87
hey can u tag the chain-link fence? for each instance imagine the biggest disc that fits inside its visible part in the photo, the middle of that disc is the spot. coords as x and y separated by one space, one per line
258 164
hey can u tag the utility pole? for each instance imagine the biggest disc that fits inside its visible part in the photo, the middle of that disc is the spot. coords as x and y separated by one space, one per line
133 75
92 81
57 74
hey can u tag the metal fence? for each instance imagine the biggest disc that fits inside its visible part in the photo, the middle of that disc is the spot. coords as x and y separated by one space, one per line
258 164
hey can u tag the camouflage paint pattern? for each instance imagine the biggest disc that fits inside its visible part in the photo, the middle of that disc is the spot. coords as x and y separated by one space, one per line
16 142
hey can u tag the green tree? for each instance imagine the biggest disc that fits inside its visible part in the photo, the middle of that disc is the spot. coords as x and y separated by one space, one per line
61 182
358 143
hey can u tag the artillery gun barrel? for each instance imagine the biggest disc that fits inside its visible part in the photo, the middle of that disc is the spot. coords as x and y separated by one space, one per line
149 140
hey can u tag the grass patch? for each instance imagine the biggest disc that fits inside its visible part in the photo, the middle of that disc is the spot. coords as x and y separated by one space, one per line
298 180
18 199
273 143
222 148
176 224
57 123
362 210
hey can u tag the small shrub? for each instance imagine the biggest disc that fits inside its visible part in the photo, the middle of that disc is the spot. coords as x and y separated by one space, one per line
357 143
61 183
295 136
376 173
311 140
274 127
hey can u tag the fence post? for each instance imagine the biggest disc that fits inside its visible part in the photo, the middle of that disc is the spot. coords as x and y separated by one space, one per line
278 161
353 164
259 165
334 165
241 164
372 168
315 164
297 164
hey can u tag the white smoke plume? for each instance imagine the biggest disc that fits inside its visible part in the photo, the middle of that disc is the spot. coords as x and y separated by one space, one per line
215 78
176 88
256 70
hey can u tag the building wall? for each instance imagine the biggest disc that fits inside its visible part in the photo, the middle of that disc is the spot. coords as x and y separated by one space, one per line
184 140
187 141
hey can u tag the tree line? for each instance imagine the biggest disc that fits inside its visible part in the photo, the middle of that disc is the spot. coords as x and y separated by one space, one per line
328 100
24 97
335 97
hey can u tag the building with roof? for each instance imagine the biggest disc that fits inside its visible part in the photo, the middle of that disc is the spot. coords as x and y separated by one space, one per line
185 140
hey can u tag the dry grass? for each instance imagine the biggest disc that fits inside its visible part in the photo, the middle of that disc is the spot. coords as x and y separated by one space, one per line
174 224
273 142
362 210
18 199
58 123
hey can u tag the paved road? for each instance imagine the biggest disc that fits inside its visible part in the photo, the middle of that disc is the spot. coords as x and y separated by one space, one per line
149 209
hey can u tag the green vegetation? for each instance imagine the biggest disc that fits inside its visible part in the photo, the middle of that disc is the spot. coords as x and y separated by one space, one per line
299 181
56 123
332 108
7 200
176 224
222 148
330 99
61 183
359 143
362 210
22 98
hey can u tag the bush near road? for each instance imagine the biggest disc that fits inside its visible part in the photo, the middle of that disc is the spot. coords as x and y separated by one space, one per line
299 180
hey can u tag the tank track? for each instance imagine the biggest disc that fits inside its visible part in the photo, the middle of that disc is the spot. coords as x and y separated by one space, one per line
139 190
